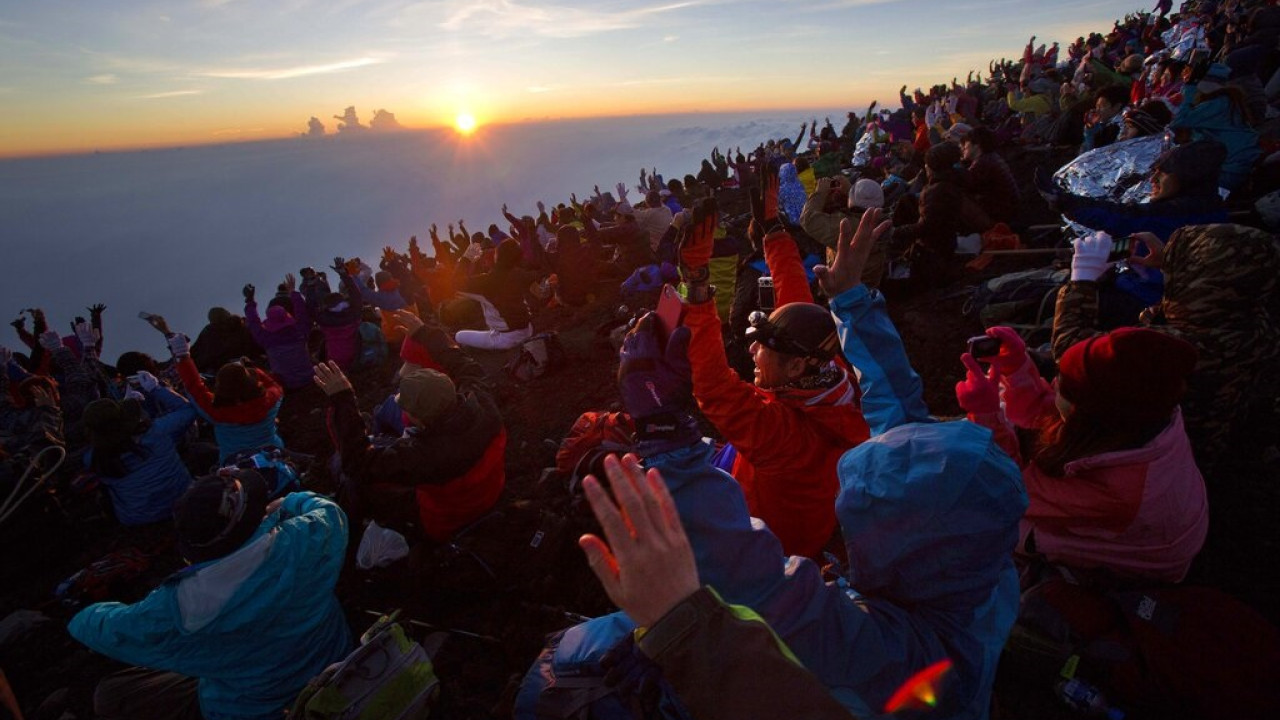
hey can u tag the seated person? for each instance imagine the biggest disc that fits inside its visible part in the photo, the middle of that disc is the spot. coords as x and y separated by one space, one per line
988 177
1111 479
946 211
245 627
284 336
136 456
929 513
1220 285
502 296
224 339
242 405
788 428
450 457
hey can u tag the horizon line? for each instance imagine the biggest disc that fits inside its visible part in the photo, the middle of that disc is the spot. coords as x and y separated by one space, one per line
215 141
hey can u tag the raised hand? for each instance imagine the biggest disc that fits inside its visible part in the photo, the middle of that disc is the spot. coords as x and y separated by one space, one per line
645 561
697 239
1155 258
407 321
330 378
248 291
852 250
291 282
504 209
622 191
6 355
96 310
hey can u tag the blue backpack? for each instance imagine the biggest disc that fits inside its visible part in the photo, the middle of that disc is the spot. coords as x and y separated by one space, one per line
275 466
567 681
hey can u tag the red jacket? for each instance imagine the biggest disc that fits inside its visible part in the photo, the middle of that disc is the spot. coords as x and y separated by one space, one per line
788 441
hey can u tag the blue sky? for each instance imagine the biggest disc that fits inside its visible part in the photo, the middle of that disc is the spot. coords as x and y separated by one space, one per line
85 75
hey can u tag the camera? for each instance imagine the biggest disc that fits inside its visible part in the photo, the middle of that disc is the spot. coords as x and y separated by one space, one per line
984 347
764 293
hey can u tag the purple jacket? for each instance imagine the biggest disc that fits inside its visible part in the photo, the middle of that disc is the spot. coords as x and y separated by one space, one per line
341 328
284 337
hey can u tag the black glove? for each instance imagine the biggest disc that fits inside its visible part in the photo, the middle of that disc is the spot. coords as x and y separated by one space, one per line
96 310
340 266
248 291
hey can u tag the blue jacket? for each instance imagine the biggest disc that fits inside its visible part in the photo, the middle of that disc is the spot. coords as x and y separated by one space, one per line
156 478
254 627
929 513
1215 120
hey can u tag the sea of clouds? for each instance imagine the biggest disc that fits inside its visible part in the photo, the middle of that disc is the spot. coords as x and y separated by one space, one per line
176 231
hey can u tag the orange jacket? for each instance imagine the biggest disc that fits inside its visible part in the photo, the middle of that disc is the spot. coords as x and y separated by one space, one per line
788 441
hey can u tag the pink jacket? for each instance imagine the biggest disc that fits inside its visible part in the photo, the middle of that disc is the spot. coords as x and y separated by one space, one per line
1140 513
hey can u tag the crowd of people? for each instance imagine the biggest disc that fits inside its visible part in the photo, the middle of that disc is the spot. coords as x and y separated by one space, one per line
868 538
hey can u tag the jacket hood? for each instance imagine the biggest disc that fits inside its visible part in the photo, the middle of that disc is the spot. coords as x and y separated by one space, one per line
277 319
1219 276
929 513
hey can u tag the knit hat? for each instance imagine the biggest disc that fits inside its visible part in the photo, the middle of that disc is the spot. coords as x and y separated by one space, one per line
1130 375
1197 165
218 513
866 194
798 328
425 394
958 132
110 423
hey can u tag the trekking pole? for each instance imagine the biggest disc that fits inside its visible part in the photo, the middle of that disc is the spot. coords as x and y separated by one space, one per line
14 500
452 631
1028 251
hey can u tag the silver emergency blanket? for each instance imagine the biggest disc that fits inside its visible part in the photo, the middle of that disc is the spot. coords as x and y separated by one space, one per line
862 152
1120 172
1183 38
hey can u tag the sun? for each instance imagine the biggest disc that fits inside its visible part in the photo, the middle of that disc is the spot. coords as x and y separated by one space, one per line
465 123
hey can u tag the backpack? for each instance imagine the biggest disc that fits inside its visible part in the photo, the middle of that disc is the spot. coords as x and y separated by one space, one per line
566 681
373 346
1022 300
509 546
593 436
275 466
538 355
1168 651
389 677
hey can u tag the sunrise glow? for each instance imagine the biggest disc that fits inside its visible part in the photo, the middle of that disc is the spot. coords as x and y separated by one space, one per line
465 123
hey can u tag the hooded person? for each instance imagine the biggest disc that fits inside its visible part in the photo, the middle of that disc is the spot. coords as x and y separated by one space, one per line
929 514
136 457
446 469
284 337
786 431
339 319
224 339
791 195
1113 486
502 294
1220 295
240 631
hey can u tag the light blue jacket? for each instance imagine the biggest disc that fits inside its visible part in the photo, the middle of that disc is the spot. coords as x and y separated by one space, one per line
156 477
929 513
254 627
1214 120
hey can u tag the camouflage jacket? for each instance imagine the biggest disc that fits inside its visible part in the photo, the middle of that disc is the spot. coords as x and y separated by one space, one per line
1221 295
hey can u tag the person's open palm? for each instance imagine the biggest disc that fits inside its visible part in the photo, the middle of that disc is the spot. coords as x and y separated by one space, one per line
645 562
852 250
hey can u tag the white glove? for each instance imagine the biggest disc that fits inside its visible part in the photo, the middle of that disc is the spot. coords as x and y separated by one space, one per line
87 335
179 345
50 340
473 252
1090 259
147 381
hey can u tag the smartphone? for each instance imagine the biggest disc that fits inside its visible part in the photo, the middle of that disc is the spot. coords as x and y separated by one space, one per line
764 293
670 311
133 382
983 347
1121 249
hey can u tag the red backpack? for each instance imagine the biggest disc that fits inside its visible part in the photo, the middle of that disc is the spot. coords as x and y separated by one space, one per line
593 436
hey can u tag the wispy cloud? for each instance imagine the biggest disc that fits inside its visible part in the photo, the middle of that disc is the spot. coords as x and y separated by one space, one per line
107 79
170 94
507 18
288 73
539 89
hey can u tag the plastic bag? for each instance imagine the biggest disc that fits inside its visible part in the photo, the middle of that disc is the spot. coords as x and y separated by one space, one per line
380 547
